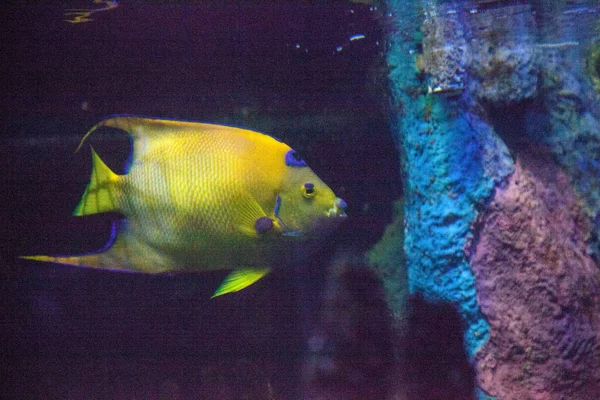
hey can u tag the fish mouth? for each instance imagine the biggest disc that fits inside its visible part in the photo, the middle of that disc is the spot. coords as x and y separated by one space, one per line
321 223
327 223
339 209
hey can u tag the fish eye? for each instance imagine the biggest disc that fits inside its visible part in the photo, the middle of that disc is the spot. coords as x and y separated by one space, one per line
308 190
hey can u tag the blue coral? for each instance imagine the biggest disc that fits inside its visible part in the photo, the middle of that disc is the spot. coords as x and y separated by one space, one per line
452 160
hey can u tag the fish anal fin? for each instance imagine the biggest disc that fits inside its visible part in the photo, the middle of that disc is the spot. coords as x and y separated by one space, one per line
240 279
101 193
122 252
91 260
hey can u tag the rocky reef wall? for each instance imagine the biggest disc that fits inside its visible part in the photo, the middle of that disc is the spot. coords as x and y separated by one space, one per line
497 118
538 288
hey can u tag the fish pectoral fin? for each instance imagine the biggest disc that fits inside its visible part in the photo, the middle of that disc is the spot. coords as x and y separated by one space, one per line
240 279
248 213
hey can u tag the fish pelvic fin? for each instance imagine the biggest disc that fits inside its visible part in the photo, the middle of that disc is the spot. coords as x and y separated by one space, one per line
240 279
101 194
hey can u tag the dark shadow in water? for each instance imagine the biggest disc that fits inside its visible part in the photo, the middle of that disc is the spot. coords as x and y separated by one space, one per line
79 334
350 349
433 362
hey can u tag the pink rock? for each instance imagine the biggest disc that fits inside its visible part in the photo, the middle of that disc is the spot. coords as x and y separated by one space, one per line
538 288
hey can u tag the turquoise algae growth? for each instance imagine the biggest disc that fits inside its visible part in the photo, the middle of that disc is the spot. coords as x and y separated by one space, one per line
451 162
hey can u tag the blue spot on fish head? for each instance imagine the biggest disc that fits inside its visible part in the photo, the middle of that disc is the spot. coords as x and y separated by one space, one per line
293 159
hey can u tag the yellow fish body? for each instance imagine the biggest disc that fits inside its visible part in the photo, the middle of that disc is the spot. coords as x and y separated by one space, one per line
203 197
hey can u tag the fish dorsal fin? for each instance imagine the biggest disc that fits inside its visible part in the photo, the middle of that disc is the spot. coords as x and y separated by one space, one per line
101 193
144 129
136 127
240 279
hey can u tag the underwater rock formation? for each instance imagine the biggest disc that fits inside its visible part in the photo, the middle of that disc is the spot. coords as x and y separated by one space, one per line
571 126
538 288
452 159
444 64
502 65
502 187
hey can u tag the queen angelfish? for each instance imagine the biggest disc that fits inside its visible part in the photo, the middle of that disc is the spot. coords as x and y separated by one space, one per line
201 197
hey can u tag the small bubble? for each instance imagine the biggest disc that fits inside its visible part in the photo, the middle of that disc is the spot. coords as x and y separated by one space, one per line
339 48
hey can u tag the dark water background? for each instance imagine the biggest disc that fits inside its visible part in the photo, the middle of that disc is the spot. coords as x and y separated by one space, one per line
288 69
271 68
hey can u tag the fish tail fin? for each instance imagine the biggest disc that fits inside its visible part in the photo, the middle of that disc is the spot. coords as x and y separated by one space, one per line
102 193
